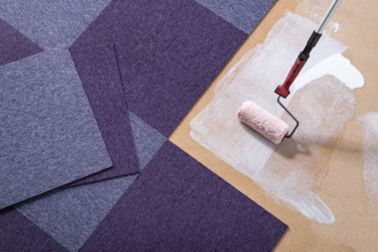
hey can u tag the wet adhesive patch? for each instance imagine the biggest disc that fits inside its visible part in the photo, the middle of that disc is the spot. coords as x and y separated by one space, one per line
370 151
49 134
298 165
217 126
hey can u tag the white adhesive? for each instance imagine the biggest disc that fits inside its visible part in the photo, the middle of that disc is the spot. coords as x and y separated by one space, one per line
254 78
335 27
336 65
370 151
294 171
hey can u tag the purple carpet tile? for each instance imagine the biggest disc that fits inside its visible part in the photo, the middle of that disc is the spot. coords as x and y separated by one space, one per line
14 45
17 233
99 73
169 52
177 204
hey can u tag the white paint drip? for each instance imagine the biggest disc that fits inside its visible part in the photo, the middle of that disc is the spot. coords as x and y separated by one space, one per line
370 122
254 78
335 26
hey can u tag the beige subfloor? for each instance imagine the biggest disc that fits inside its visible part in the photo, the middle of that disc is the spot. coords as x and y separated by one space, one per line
356 226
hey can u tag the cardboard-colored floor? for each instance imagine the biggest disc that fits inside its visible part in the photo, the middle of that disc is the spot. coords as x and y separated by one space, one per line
356 225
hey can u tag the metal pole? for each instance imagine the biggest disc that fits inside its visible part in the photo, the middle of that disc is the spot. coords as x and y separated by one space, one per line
328 16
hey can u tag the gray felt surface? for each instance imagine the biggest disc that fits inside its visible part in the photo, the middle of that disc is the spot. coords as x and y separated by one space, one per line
70 216
49 136
61 212
51 23
244 14
147 139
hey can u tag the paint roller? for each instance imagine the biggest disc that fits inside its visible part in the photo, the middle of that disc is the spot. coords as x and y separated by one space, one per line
262 121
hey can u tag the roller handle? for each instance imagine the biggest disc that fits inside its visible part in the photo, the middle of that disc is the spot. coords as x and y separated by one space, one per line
283 89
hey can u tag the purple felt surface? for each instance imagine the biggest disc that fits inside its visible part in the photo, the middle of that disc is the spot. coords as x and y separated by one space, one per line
169 53
177 204
14 45
100 76
17 233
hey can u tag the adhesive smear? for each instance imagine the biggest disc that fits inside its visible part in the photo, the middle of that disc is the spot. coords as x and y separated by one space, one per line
370 123
323 101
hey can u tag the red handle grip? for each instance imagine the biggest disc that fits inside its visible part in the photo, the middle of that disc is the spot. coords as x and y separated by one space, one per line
283 89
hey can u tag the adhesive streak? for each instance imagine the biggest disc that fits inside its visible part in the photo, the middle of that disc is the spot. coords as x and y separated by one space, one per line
336 65
370 123
254 78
